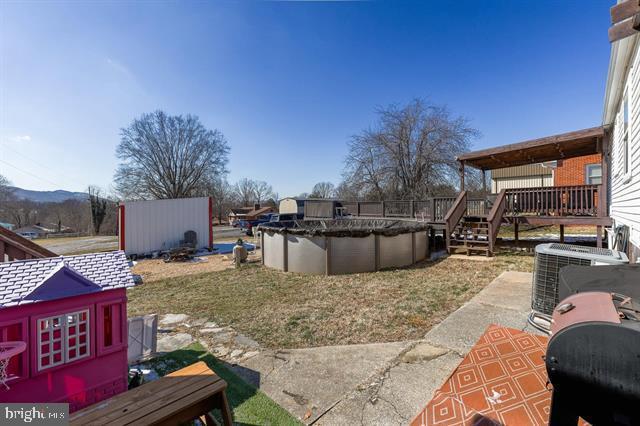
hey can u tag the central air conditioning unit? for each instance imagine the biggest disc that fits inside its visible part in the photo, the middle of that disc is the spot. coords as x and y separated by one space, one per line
548 261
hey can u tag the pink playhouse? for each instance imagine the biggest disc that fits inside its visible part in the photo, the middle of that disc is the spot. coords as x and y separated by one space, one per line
71 314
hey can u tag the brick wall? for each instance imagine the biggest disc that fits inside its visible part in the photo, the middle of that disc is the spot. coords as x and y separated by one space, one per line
572 171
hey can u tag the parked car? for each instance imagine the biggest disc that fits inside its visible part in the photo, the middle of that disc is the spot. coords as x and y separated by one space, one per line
248 225
286 216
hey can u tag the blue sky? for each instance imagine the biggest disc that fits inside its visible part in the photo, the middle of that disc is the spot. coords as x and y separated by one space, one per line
288 83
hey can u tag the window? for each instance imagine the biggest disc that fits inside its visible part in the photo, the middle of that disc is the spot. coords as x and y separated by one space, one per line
111 336
593 174
63 339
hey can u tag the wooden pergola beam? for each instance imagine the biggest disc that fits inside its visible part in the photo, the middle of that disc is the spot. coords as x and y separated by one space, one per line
624 29
624 10
562 146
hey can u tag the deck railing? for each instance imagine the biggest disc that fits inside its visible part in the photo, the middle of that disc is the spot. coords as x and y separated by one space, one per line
430 210
575 200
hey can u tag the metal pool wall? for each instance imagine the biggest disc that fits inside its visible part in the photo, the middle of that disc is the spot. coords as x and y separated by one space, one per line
332 255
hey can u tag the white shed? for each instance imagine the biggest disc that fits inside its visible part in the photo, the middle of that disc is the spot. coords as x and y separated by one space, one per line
148 226
291 205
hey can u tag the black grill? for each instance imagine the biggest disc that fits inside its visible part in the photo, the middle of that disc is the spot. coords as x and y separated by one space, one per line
593 356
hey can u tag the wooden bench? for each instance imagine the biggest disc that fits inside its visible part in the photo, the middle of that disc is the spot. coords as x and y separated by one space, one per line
181 396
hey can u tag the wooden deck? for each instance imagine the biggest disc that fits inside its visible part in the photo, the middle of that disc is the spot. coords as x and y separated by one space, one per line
473 224
176 398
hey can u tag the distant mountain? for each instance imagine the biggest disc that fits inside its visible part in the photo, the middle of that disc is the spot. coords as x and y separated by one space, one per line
48 196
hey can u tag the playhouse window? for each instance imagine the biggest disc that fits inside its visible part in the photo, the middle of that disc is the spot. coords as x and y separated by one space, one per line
111 316
62 339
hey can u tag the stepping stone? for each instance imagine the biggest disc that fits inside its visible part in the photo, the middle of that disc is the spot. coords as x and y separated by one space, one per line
246 341
174 342
211 330
173 319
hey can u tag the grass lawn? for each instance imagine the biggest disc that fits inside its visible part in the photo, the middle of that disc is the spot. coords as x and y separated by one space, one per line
289 310
249 405
79 245
524 231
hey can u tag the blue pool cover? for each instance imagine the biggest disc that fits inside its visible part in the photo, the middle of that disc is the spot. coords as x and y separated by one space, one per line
226 248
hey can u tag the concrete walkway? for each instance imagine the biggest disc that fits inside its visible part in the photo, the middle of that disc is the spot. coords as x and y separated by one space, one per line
385 383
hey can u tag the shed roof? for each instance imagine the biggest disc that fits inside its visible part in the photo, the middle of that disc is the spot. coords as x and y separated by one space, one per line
261 210
20 278
556 147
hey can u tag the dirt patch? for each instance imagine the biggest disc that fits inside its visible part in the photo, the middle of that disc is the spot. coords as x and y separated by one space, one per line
158 269
288 310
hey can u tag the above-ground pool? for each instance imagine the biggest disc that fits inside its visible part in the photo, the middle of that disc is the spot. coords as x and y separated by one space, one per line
343 246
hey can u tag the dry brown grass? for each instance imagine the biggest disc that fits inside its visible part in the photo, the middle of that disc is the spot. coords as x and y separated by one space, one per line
157 269
288 310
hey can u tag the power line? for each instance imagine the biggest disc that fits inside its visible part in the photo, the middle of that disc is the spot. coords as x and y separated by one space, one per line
31 174
4 145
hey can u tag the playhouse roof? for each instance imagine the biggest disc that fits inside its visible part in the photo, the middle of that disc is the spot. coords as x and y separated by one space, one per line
21 278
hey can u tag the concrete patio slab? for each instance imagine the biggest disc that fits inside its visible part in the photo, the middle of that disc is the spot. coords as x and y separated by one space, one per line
403 391
460 330
307 382
510 290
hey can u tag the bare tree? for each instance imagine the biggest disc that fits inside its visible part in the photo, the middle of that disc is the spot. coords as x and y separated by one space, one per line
323 190
245 191
98 206
224 197
5 189
411 152
164 156
263 191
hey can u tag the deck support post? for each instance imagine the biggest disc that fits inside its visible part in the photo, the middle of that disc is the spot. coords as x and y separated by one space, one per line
429 232
562 233
515 230
484 182
603 196
461 170
599 236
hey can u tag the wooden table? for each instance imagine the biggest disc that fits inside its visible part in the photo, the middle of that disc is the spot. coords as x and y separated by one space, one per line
177 397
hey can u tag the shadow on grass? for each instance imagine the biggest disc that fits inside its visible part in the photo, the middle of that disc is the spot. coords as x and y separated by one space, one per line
250 406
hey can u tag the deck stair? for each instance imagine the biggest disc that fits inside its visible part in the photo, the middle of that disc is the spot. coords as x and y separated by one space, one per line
471 236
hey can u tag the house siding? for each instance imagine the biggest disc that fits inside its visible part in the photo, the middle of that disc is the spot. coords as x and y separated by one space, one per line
527 176
625 189
499 184
572 171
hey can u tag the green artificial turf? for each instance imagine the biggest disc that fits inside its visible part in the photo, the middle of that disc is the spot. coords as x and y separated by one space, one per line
249 405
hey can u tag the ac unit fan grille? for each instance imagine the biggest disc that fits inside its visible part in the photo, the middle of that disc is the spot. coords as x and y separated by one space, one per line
545 281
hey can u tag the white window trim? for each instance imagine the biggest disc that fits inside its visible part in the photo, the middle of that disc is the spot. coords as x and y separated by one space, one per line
625 150
64 339
587 176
